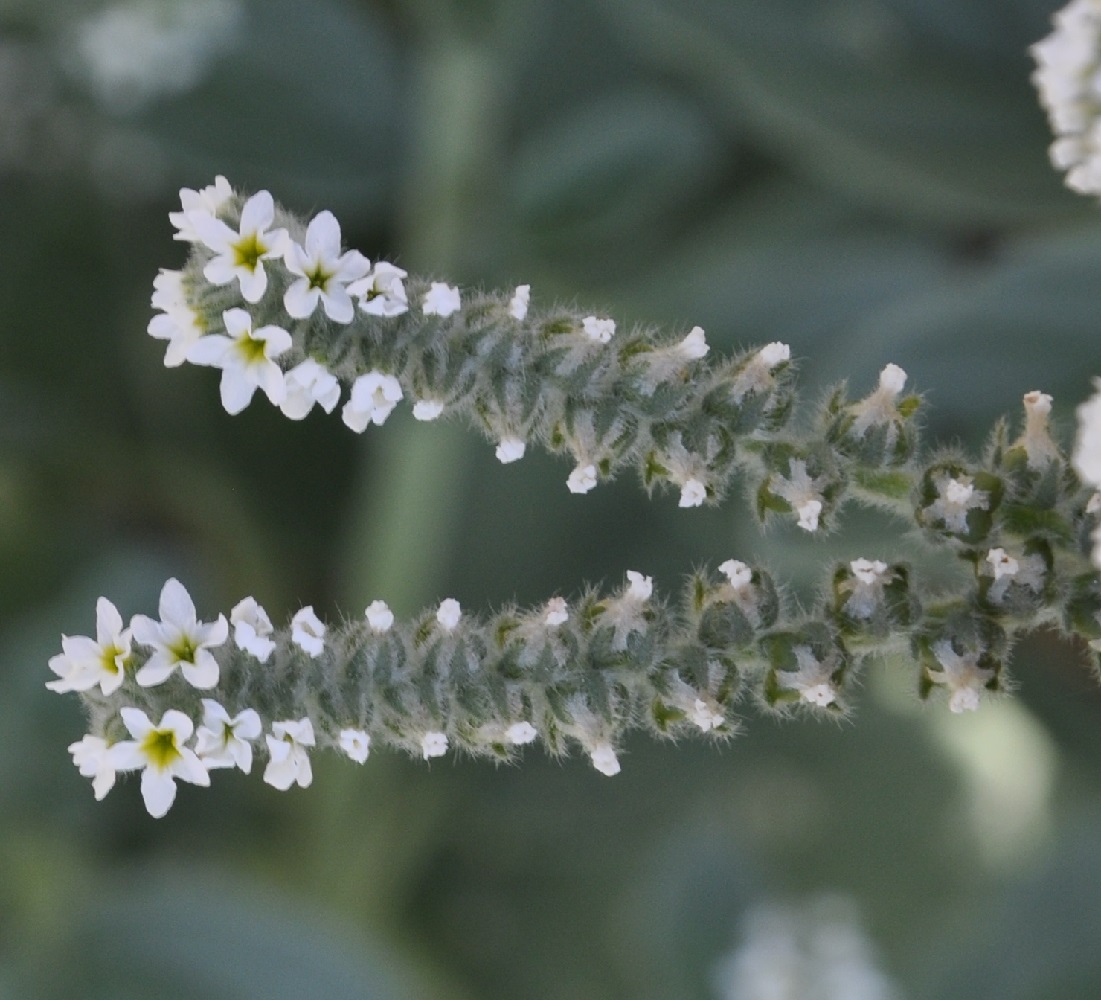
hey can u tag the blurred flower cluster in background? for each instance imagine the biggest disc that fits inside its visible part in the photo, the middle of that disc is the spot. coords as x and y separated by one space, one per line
865 180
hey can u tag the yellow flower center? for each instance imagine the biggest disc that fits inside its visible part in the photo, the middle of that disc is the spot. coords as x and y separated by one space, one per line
160 749
248 250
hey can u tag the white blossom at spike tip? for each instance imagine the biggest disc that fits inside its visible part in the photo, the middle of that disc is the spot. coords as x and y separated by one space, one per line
600 330
694 346
356 744
323 271
179 640
373 398
382 292
246 359
641 587
448 614
84 662
433 744
241 254
94 760
955 498
521 733
159 751
206 200
582 479
427 409
441 300
704 715
801 491
511 449
177 322
557 612
226 741
739 575
605 760
692 494
308 632
1036 440
252 629
518 304
288 750
379 616
812 681
308 383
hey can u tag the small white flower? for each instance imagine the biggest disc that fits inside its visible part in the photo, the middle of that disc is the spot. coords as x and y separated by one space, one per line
448 614
382 292
812 680
322 271
160 752
892 380
373 397
94 759
600 330
252 629
582 479
441 300
705 715
604 759
774 354
1086 457
433 745
511 449
801 491
880 407
962 675
289 754
356 744
1002 564
207 200
179 639
521 733
222 741
1036 440
694 346
241 254
809 512
557 613
756 375
379 616
246 359
427 409
955 498
308 632
85 662
866 585
692 494
518 304
641 587
177 322
738 573
307 383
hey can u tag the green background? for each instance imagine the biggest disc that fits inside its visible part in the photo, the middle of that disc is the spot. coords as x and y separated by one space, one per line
866 180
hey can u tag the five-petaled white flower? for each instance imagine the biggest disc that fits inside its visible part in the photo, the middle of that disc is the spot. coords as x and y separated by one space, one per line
177 322
433 744
308 632
600 330
179 639
245 357
373 397
290 758
582 479
356 744
379 616
518 304
511 449
322 271
159 750
94 759
205 201
84 662
441 300
604 759
241 254
307 383
448 614
382 292
224 741
252 629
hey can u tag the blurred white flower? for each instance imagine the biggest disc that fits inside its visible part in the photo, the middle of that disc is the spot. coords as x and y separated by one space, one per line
307 383
252 629
84 662
381 293
225 741
372 399
600 330
209 200
308 632
356 744
433 745
241 253
518 304
441 300
288 749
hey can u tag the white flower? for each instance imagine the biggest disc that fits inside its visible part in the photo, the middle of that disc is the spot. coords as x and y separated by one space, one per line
1036 440
441 300
604 759
1028 571
382 292
704 715
245 357
956 496
880 407
802 492
1002 564
177 322
521 733
289 757
427 409
356 744
692 494
738 573
241 254
322 271
160 752
308 632
757 376
600 330
774 354
222 741
252 628
179 639
812 680
1086 457
694 346
207 200
448 614
518 304
373 397
866 586
433 745
94 759
962 675
582 479
307 383
557 613
641 587
511 449
84 662
379 616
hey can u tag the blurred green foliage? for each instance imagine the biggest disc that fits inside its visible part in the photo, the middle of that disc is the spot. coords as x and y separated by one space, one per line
864 179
